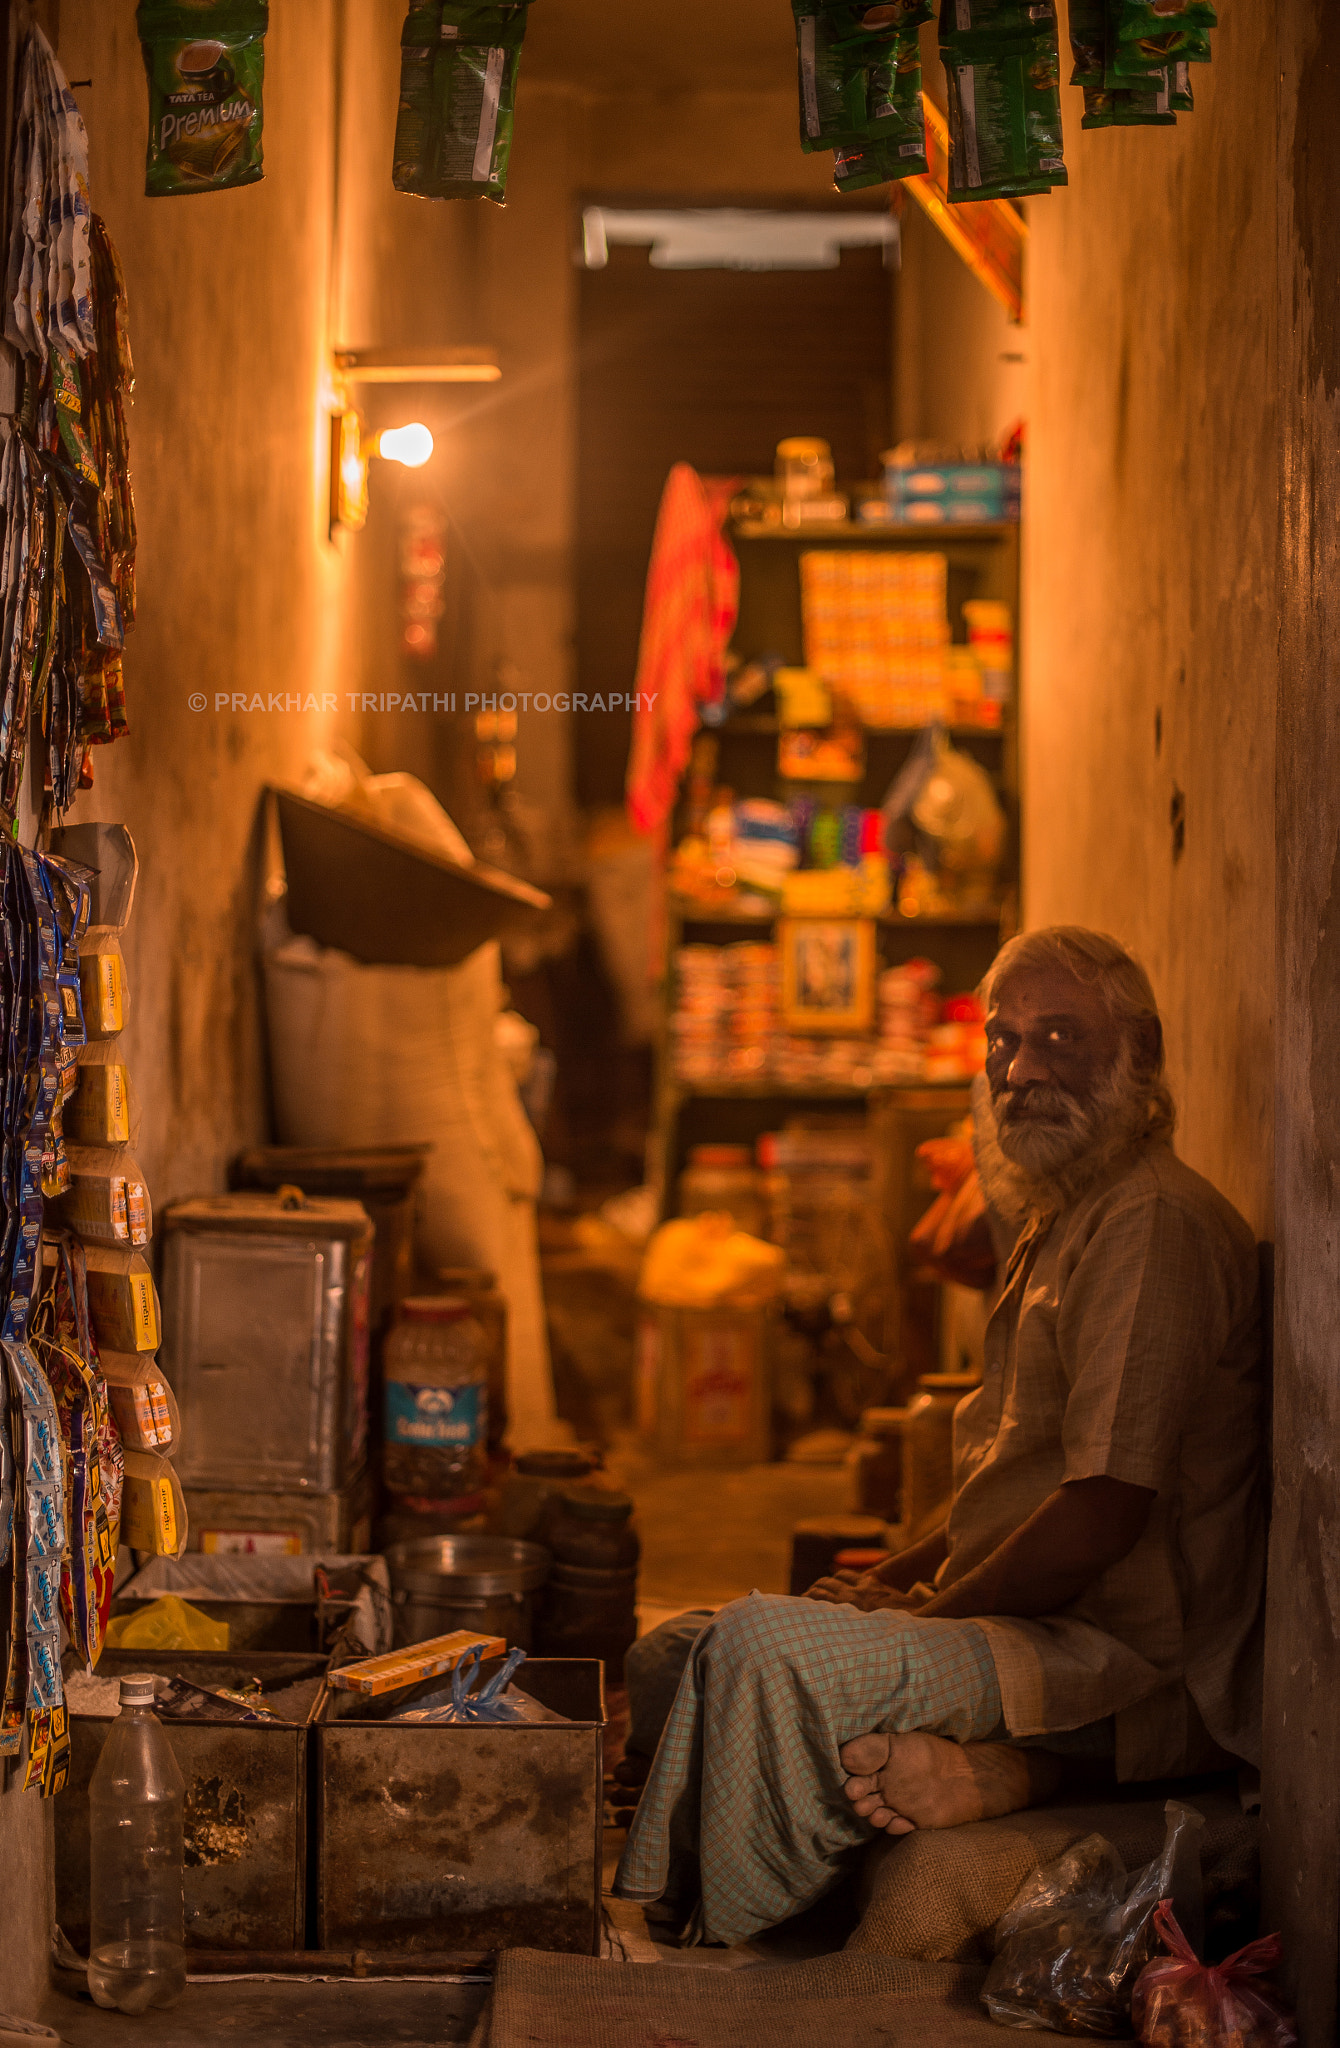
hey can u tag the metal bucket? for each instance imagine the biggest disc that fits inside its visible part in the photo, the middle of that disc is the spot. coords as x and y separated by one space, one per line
488 1583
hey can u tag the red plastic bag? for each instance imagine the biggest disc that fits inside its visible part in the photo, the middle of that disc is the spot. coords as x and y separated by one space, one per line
1180 2002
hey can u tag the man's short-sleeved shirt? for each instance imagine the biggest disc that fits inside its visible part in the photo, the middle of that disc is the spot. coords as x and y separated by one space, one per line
1125 1343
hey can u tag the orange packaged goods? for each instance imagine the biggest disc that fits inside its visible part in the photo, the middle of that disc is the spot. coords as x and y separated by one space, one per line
876 628
372 1675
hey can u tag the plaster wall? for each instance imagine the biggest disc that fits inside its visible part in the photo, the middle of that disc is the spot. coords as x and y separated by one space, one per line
1150 582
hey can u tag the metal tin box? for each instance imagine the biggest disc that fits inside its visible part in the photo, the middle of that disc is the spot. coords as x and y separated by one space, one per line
246 1803
461 1840
265 1339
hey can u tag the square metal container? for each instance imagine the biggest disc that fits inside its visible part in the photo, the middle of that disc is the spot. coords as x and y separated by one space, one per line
246 1804
265 1339
458 1841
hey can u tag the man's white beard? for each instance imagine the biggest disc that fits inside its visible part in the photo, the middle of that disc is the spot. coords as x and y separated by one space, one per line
1041 1168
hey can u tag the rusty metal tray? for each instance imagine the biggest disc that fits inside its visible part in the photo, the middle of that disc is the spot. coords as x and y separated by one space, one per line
460 1841
246 1804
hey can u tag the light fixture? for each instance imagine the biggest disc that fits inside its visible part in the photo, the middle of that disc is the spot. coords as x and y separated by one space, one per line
350 453
411 445
416 366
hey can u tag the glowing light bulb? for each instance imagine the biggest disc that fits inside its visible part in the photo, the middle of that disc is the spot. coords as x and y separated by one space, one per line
411 445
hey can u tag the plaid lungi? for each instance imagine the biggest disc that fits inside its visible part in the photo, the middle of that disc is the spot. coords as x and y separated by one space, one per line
745 1798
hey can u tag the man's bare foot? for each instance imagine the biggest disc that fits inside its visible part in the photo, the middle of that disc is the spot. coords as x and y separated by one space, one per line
902 1782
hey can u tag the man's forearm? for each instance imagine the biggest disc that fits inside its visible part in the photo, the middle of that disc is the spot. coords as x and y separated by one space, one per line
1081 1530
905 1568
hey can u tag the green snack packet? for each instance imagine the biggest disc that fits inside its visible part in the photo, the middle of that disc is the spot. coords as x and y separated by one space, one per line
895 119
1088 41
205 61
896 146
983 24
1005 122
1179 89
835 57
1144 56
458 70
1132 19
1142 106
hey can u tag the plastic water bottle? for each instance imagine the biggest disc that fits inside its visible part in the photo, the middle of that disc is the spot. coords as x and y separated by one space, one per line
137 1955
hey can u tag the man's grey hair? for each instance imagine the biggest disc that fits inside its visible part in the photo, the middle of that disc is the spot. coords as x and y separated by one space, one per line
1100 962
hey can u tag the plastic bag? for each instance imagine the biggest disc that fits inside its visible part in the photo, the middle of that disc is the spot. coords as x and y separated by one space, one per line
1076 1936
1180 2002
705 1262
499 1700
167 1624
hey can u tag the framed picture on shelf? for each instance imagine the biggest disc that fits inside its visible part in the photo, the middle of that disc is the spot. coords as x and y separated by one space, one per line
828 973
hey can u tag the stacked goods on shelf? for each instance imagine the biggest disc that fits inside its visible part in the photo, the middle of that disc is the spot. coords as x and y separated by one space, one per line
925 485
725 1016
725 1029
876 627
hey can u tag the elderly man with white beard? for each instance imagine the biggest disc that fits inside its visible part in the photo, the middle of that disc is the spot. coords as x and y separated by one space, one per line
1096 1588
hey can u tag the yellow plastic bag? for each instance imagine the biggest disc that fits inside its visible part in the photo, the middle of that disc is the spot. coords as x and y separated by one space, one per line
705 1262
167 1624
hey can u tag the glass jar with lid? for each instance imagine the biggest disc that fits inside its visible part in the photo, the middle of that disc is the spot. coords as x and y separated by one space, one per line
435 1368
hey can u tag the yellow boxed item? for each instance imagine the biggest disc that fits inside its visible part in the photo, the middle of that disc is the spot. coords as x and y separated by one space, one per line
99 1109
142 1401
419 1660
121 1299
153 1512
102 984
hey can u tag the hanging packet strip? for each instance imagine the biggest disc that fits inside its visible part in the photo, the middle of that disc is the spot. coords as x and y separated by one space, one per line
205 61
854 77
458 72
1005 122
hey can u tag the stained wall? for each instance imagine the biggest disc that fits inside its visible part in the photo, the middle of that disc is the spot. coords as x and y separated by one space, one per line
1150 581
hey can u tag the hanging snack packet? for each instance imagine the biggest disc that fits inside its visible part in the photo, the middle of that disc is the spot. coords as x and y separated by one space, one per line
1143 58
995 21
857 68
1005 122
458 71
153 1507
1133 18
1088 42
97 1109
143 1403
122 1300
1179 89
1143 106
102 984
107 1202
877 163
205 61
